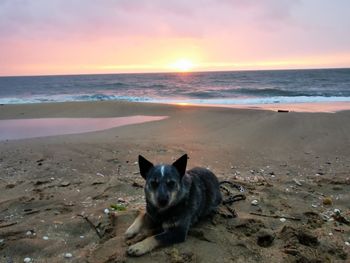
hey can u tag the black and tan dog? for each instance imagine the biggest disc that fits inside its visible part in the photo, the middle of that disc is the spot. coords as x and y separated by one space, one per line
175 200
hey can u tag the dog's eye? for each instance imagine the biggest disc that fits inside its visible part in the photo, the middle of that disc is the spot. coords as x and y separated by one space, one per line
154 184
171 184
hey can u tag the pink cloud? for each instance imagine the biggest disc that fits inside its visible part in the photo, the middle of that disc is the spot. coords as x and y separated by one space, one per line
38 32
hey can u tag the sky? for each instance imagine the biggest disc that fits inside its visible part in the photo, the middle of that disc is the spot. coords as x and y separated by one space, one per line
44 37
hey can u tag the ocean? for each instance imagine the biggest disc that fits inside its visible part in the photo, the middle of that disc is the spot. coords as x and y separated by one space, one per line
234 87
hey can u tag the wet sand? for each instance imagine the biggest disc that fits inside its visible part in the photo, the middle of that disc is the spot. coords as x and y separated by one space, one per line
326 107
296 165
34 128
312 107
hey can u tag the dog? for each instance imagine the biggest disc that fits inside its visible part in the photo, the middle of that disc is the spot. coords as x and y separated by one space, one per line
175 200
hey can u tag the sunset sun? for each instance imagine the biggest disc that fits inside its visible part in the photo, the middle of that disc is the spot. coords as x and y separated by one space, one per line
183 65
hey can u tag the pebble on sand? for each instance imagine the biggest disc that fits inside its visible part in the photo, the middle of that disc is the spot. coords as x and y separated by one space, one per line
68 255
255 202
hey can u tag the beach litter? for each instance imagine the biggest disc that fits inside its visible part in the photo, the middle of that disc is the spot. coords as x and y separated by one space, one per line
297 182
68 255
27 260
118 207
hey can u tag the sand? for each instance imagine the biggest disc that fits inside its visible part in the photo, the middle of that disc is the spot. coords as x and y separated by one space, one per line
296 165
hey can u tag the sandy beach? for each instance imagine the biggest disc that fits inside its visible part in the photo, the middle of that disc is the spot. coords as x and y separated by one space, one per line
295 165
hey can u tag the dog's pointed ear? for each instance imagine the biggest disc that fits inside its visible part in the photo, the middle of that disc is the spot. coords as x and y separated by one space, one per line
145 166
180 164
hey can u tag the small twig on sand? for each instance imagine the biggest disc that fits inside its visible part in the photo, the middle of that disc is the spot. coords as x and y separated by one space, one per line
276 216
232 211
8 224
31 212
92 225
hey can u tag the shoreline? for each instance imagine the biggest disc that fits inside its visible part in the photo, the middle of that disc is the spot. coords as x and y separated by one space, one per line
303 107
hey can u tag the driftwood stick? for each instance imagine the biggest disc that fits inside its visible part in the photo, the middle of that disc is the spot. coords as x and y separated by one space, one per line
276 216
8 224
92 225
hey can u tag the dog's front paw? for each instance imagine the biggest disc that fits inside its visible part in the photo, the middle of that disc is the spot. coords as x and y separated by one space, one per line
137 250
142 247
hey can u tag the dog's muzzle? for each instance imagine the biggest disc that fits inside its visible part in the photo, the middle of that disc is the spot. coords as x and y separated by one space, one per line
163 202
162 197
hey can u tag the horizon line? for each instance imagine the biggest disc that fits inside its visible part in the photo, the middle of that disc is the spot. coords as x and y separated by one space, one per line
171 72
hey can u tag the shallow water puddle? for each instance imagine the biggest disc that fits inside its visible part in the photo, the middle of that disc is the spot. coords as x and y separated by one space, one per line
32 128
